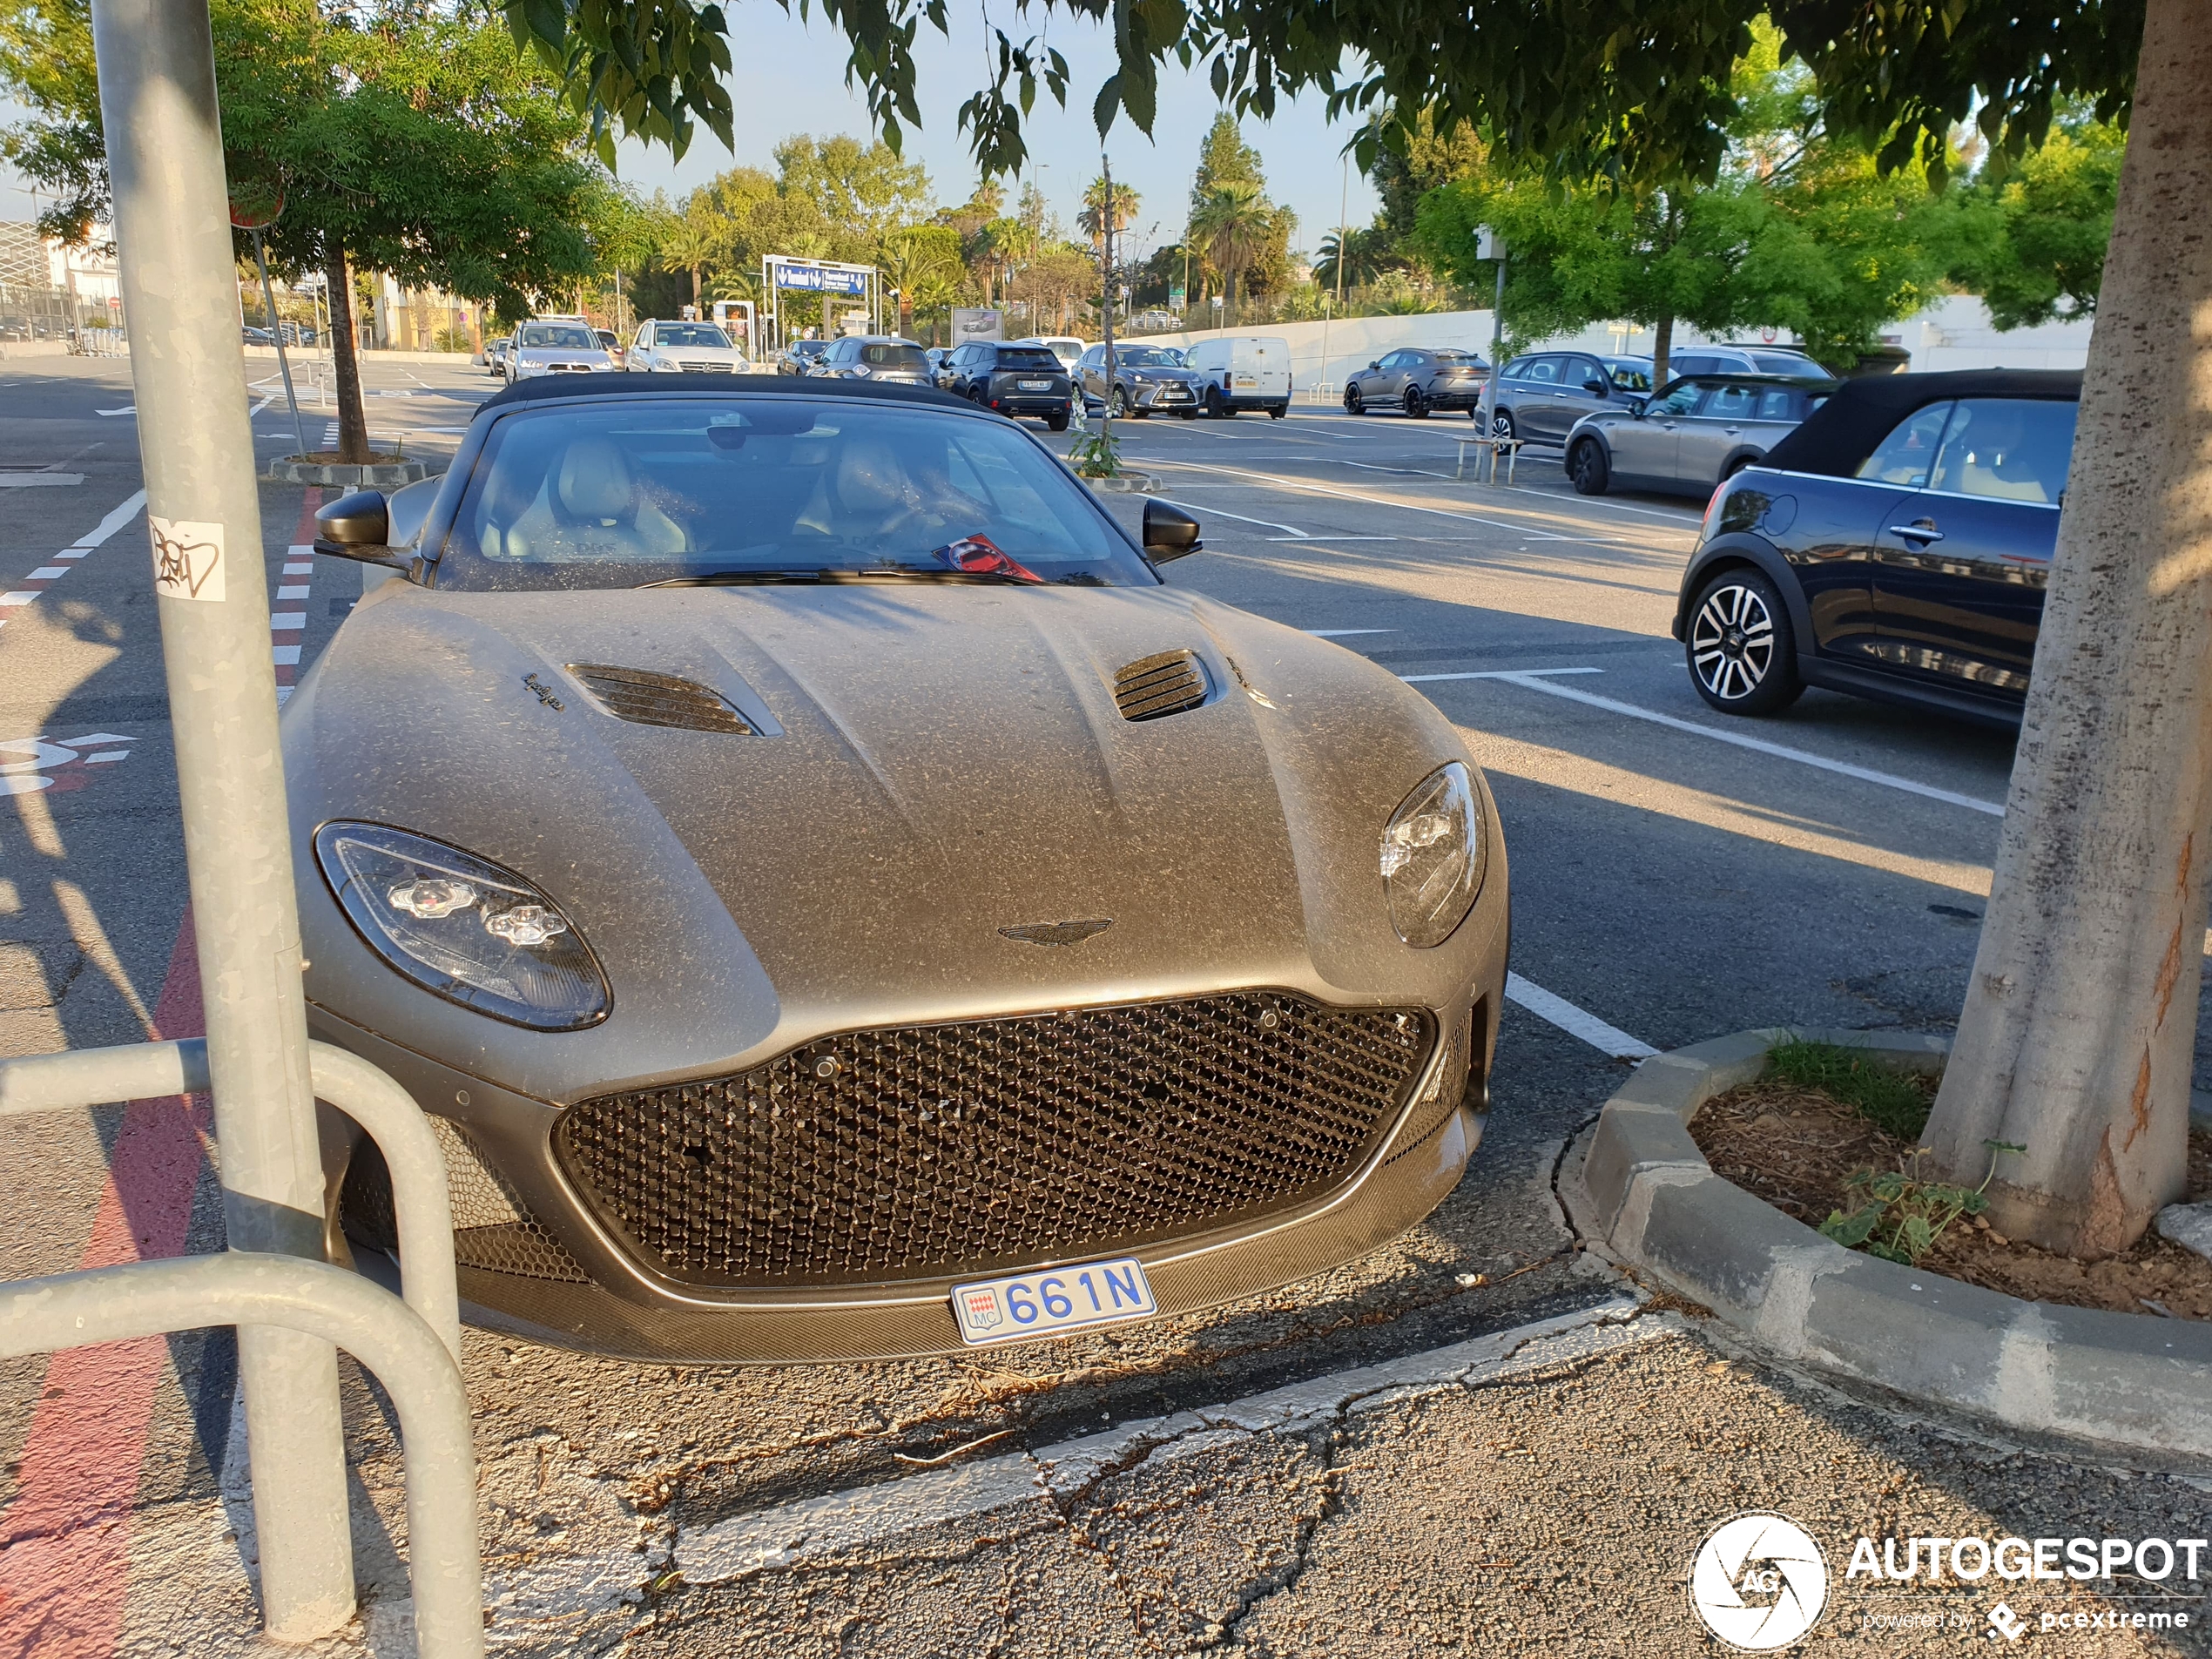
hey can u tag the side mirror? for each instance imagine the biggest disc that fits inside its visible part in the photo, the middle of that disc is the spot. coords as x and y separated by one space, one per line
359 527
1169 532
1376 364
1637 405
1595 387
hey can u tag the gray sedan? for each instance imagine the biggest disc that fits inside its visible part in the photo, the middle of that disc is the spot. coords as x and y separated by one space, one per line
1418 380
1692 435
1148 379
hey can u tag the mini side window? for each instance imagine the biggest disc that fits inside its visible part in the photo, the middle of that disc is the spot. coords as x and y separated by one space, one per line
1907 455
2007 449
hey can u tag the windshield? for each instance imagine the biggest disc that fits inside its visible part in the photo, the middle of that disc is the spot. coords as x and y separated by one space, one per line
690 333
570 336
1148 357
620 494
894 355
1629 377
1785 363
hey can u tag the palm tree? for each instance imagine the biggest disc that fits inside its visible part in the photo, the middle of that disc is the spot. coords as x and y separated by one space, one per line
1363 255
691 243
922 263
1092 219
1232 225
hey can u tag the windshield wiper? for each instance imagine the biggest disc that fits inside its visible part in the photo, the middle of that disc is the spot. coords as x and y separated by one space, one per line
744 578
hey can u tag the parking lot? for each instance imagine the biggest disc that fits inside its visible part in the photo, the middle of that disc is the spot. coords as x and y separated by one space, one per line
1471 1436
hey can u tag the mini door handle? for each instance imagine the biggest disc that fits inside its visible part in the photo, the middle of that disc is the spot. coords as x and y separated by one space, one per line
1917 532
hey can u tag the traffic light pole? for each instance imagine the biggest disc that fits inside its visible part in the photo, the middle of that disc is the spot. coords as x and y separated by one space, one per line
157 79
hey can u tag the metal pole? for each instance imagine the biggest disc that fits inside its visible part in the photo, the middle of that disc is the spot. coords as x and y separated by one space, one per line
1106 301
165 156
276 333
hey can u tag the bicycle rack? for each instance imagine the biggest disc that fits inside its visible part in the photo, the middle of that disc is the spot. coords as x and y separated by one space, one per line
411 1343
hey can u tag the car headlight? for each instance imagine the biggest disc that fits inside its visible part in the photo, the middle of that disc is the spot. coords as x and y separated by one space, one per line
1433 851
667 368
462 927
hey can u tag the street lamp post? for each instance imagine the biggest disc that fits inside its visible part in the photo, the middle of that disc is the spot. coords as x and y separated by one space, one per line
1488 244
1106 299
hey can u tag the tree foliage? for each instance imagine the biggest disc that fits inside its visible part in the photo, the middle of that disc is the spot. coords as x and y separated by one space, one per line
2033 241
1639 90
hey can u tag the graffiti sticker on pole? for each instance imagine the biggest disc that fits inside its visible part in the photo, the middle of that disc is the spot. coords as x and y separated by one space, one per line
187 558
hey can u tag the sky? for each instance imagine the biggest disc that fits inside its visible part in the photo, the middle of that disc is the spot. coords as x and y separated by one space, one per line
790 77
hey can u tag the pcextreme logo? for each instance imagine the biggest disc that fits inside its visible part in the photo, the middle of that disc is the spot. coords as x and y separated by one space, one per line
1758 1581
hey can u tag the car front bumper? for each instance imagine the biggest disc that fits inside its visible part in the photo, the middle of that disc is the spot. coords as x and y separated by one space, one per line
563 1278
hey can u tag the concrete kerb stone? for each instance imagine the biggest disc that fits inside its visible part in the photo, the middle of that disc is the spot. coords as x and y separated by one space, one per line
381 476
1653 1203
1127 483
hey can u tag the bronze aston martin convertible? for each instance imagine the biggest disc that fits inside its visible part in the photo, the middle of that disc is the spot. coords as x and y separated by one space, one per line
835 902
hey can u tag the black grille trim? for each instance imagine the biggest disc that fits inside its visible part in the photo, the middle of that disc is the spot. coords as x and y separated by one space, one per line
1153 687
921 1151
492 1229
646 699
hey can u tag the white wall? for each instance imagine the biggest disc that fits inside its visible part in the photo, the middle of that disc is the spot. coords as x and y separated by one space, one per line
1954 333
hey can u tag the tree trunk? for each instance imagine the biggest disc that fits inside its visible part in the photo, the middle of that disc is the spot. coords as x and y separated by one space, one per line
1663 348
2077 1037
695 288
353 421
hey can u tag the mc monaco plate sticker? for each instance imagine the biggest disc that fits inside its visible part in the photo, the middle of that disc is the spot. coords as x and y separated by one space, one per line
1052 1301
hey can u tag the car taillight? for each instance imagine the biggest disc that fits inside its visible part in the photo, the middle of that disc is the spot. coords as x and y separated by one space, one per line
1712 513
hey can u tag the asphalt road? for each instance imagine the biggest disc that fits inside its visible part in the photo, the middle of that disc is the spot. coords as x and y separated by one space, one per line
1669 884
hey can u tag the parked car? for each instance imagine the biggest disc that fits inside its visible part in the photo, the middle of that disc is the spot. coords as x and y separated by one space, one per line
611 344
1066 348
937 356
1012 377
1417 380
1147 379
832 899
875 357
1542 394
684 347
1243 372
248 336
556 345
495 351
1689 437
1896 546
798 356
1746 360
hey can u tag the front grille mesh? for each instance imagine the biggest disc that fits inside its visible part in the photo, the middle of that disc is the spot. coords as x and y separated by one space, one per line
492 1229
1154 687
707 367
921 1150
646 699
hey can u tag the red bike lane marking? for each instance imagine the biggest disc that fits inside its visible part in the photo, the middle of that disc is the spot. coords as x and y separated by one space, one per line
65 1541
287 634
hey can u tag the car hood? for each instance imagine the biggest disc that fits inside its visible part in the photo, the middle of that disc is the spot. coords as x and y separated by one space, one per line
936 765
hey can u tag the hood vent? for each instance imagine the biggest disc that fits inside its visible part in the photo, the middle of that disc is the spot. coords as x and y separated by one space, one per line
1154 686
646 699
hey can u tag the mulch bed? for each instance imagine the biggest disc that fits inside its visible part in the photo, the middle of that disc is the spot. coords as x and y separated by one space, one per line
1793 1147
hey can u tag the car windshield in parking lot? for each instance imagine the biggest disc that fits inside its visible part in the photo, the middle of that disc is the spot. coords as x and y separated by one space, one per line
1148 357
626 493
560 336
689 334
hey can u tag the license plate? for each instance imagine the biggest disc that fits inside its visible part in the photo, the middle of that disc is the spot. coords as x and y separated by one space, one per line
1052 1302
1035 386
1247 380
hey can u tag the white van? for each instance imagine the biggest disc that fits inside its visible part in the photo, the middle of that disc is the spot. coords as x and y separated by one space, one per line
1243 372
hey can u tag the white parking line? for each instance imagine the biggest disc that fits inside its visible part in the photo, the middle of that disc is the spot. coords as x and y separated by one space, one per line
46 575
1346 633
1578 1022
1543 680
1222 512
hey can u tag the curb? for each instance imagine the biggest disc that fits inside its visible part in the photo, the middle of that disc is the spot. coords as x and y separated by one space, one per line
2115 1380
1127 483
288 470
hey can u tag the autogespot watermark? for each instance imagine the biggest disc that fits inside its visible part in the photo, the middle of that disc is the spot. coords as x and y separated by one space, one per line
1759 1580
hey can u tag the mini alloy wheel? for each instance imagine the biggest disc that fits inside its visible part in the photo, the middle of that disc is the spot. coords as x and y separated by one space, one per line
1741 650
1588 468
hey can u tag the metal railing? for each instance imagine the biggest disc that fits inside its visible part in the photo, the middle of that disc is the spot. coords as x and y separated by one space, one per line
411 1343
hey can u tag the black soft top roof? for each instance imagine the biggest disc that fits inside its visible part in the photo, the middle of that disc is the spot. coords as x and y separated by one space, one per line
548 388
1837 436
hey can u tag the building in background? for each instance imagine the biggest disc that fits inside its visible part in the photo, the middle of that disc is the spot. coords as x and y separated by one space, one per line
425 319
51 293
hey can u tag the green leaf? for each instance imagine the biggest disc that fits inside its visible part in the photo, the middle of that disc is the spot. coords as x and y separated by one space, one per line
1852 1230
1915 1235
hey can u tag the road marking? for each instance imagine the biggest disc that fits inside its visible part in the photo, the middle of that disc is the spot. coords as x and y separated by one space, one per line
299 560
27 480
65 1578
1541 680
1683 519
789 1534
1383 501
1346 633
1331 541
1578 1022
47 575
1296 534
1494 674
57 765
1369 466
